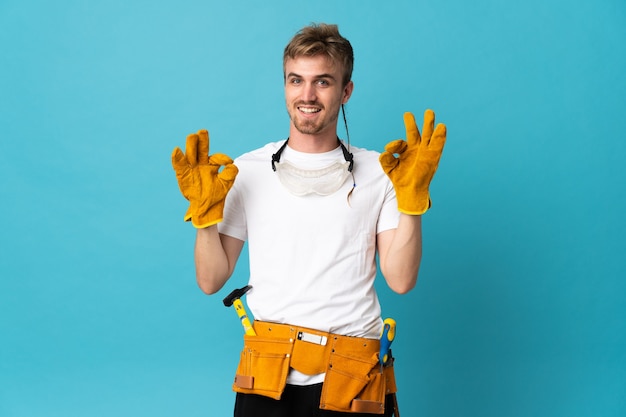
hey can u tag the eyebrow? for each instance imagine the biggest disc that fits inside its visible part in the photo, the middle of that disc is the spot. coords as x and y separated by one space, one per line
293 74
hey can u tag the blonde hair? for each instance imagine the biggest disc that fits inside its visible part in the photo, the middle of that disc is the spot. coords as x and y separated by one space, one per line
322 39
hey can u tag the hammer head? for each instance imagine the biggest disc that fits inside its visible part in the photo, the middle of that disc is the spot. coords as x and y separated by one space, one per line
236 294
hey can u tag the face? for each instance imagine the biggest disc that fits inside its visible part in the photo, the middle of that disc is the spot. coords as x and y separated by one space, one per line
314 92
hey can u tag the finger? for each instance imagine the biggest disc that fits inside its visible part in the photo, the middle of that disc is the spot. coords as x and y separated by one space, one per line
179 161
412 134
191 149
439 137
229 173
396 146
203 146
220 159
429 124
388 161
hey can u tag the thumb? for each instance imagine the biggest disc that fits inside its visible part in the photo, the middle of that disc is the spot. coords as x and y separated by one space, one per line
388 161
229 173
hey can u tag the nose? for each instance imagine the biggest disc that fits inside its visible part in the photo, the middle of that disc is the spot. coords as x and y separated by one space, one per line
308 93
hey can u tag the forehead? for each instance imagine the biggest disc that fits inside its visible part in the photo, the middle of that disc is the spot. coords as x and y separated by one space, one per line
312 66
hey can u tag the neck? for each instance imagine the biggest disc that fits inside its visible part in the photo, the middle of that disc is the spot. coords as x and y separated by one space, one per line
312 143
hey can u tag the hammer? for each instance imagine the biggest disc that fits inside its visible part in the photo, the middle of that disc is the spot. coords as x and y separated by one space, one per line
387 336
234 299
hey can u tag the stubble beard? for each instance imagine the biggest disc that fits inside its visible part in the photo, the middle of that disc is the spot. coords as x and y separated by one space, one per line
309 127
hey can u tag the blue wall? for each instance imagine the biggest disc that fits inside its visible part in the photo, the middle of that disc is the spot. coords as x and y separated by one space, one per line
520 308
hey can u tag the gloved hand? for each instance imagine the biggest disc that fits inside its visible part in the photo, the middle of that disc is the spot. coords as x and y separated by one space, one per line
415 166
201 182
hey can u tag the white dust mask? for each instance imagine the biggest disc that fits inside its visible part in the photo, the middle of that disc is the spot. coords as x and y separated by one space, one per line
322 181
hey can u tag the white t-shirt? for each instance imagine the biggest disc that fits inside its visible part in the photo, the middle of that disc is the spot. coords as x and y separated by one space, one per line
312 258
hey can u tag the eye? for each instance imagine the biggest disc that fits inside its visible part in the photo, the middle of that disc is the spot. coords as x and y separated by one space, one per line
323 83
295 81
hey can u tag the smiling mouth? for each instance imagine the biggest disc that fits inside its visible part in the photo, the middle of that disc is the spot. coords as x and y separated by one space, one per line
309 110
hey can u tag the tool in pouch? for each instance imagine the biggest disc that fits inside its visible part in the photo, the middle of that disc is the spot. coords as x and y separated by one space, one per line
234 299
387 336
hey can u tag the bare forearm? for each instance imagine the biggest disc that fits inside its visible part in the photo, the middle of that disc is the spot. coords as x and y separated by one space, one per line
402 254
212 265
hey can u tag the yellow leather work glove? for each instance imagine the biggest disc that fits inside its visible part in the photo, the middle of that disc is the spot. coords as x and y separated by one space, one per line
414 167
201 182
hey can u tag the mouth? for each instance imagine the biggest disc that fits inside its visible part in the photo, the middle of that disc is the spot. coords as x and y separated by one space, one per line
309 109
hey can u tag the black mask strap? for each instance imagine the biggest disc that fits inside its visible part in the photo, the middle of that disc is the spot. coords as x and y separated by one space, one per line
276 156
347 155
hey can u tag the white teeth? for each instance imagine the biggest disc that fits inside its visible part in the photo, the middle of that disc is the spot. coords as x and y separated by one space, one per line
308 110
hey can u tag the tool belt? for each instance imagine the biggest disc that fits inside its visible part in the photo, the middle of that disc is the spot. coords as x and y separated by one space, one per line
355 381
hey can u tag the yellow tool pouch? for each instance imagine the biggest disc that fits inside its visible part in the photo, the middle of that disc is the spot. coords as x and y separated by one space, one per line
354 381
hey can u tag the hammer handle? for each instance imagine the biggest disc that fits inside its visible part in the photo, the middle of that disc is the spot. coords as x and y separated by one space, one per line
245 321
388 334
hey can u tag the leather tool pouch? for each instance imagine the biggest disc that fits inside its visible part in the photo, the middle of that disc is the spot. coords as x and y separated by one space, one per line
354 381
263 366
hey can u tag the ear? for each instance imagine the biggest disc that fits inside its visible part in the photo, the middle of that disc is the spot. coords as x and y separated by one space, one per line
347 92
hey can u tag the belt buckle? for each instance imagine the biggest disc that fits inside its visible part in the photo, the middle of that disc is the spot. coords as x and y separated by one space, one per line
312 338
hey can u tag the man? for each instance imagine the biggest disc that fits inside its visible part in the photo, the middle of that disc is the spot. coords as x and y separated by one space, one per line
315 214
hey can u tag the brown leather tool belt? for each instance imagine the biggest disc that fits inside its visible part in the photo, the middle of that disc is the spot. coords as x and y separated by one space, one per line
354 381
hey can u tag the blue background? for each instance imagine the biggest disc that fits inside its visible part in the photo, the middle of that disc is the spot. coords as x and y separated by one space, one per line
520 308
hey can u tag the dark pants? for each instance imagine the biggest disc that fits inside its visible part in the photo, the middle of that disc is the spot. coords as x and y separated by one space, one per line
296 401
